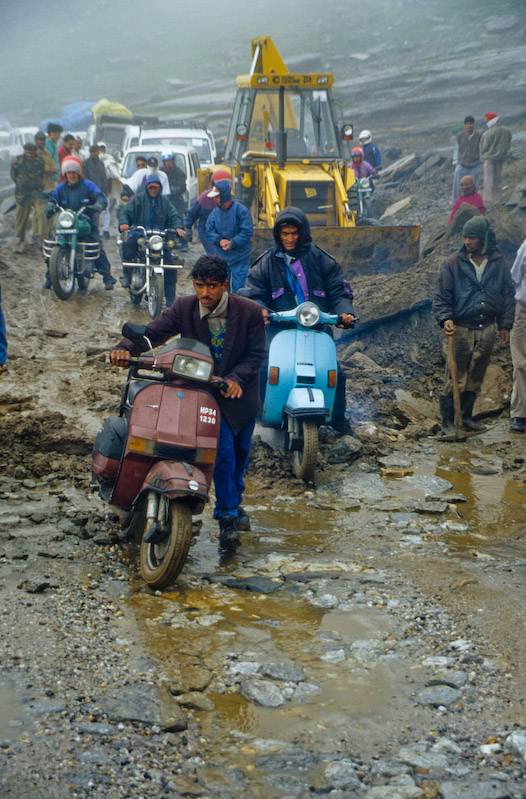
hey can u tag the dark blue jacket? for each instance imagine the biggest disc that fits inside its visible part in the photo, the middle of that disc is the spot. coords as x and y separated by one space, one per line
233 223
268 283
71 196
371 153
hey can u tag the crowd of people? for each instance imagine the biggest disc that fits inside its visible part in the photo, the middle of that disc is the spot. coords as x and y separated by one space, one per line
476 292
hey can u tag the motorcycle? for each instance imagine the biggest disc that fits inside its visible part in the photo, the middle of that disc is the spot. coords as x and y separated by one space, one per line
147 271
301 383
156 460
360 200
68 254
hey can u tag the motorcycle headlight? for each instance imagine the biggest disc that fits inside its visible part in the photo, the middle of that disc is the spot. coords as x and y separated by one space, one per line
156 243
187 366
141 241
171 243
365 183
66 219
308 314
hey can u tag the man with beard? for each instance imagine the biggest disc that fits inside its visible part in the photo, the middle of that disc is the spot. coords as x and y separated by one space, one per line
295 270
469 195
474 294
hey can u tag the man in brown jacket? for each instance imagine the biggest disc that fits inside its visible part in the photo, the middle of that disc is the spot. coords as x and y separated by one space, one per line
232 327
42 226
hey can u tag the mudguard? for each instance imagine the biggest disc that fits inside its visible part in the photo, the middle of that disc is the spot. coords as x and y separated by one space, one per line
175 479
306 402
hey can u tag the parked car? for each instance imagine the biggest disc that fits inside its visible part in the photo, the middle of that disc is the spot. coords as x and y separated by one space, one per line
185 158
192 134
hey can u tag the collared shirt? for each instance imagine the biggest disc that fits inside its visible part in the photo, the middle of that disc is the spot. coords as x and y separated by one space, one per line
217 317
479 268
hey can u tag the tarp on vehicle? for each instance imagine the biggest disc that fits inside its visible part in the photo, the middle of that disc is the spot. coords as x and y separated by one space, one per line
109 107
77 116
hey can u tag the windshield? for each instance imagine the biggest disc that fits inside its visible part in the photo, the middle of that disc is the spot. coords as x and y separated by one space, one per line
201 145
129 166
308 122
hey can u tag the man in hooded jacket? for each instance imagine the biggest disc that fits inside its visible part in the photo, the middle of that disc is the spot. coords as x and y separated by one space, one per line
474 293
152 210
295 270
230 227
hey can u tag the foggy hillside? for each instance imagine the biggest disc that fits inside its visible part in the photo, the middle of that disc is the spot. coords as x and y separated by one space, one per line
392 59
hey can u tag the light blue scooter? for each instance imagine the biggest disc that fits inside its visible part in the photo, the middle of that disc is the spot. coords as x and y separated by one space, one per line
301 383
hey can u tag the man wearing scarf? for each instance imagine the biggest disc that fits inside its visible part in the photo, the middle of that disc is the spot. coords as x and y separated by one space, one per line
474 294
153 211
295 270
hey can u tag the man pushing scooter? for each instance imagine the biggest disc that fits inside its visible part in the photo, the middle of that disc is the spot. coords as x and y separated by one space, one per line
232 327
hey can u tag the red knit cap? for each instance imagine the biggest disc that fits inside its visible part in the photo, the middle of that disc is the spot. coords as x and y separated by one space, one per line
491 115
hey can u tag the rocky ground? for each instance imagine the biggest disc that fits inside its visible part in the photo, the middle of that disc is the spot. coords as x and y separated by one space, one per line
367 641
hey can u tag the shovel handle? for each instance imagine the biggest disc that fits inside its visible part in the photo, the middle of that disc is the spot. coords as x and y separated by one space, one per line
454 382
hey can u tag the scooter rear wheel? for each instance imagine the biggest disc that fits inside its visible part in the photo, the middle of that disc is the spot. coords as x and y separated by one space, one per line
155 297
162 562
61 274
305 458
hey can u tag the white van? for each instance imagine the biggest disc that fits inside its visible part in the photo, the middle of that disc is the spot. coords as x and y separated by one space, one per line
196 136
185 158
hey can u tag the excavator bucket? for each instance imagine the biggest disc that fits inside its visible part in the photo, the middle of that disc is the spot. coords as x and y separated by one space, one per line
368 250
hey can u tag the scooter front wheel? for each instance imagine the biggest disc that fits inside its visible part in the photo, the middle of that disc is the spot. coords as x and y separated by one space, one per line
305 458
162 562
61 274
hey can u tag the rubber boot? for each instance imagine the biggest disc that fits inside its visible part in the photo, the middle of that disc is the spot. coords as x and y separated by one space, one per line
467 401
228 535
447 411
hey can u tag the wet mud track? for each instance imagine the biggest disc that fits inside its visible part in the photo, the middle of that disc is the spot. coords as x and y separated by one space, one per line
367 640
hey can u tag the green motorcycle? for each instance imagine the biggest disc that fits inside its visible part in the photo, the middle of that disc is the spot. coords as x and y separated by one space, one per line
69 254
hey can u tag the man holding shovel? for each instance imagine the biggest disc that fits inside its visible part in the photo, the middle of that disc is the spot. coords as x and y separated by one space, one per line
474 293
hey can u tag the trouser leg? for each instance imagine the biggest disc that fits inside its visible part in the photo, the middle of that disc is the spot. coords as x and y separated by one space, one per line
518 356
231 462
473 350
170 279
238 275
21 219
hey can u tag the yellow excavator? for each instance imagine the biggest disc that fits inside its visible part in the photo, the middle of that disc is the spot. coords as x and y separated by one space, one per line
287 145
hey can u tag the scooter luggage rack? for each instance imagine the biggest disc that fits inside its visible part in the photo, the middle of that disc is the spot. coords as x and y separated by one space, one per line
91 248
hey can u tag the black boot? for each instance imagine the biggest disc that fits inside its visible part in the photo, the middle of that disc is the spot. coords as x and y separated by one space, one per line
467 401
125 279
447 410
243 519
228 535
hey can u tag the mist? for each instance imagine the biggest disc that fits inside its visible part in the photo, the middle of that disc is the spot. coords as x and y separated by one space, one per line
182 58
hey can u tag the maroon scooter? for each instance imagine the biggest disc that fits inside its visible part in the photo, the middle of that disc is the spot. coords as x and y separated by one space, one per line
156 460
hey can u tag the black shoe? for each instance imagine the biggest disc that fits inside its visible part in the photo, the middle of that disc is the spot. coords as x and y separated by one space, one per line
47 283
342 426
109 286
467 401
518 424
125 281
228 535
243 519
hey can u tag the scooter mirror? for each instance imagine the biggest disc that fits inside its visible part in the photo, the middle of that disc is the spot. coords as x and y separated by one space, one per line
133 331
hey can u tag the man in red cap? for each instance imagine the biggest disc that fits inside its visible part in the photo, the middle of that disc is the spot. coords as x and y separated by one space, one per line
494 147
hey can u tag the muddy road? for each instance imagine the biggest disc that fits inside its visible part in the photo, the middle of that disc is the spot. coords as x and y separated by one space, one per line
367 640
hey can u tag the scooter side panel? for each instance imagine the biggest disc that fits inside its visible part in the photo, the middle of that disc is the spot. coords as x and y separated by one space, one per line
181 418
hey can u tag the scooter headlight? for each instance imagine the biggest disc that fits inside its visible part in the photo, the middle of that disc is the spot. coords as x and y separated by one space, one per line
308 314
187 366
66 219
156 243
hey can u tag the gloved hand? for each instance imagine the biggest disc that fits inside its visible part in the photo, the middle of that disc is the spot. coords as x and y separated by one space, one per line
188 233
50 210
